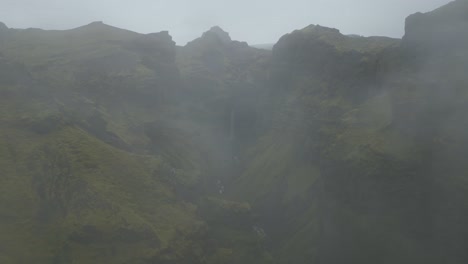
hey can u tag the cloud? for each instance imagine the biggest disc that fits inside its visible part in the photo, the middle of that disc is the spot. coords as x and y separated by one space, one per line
255 21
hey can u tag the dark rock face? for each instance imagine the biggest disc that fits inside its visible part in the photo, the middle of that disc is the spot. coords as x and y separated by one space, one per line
214 39
218 32
3 27
306 47
163 37
158 45
214 56
348 63
3 31
388 190
440 31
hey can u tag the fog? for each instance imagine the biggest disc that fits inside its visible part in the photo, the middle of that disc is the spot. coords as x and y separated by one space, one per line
257 22
329 147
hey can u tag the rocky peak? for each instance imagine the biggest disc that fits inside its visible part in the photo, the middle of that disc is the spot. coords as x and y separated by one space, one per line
214 38
95 26
3 32
311 36
218 32
320 30
163 37
163 42
3 27
317 42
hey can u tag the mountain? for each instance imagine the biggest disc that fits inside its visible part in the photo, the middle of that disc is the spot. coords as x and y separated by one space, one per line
442 29
98 167
361 160
121 147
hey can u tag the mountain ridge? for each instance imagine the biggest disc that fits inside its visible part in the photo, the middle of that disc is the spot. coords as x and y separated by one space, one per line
121 147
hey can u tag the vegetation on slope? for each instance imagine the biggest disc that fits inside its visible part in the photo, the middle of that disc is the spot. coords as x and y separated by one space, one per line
119 147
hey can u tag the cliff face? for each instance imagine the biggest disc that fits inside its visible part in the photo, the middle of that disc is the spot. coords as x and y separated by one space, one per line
364 145
3 29
98 162
319 80
444 29
119 147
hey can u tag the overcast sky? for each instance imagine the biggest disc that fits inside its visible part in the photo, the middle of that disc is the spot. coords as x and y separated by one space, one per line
254 21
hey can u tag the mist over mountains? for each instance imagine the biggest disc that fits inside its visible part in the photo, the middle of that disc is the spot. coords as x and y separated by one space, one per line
120 147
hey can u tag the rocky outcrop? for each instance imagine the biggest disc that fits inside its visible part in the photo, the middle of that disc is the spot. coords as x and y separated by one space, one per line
350 64
444 30
219 33
3 27
3 32
225 75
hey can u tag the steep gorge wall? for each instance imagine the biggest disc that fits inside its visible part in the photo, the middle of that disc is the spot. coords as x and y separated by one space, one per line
329 149
364 151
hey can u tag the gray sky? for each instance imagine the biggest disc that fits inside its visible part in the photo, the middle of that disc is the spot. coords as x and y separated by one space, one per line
254 21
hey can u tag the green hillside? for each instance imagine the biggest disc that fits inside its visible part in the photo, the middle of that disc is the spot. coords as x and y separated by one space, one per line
121 147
